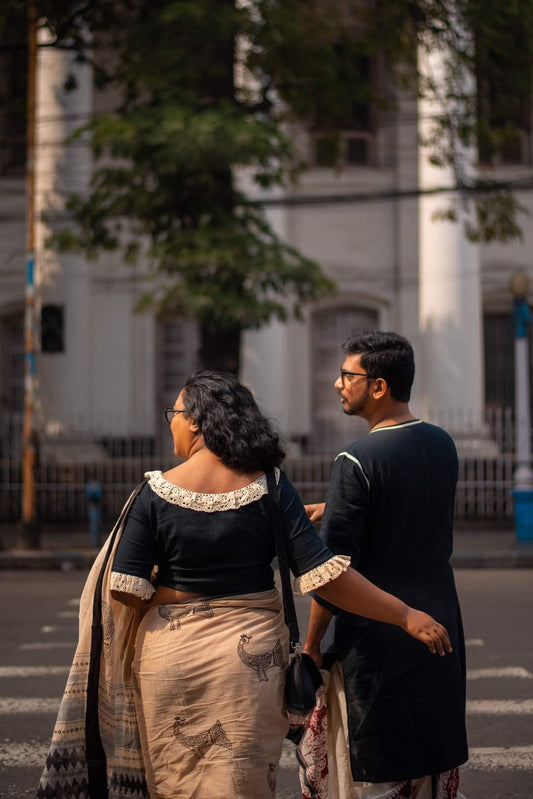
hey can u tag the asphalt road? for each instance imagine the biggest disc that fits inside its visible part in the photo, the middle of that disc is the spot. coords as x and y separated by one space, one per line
38 620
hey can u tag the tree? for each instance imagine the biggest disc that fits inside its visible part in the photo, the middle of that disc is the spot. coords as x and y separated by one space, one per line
185 130
171 194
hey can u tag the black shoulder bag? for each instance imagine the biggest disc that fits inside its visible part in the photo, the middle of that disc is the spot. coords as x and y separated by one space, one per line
303 676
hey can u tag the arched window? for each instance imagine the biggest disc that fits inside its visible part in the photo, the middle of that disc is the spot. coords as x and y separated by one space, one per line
499 359
177 358
332 429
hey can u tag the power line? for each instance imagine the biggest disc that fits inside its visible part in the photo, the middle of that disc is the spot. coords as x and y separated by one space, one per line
392 194
348 198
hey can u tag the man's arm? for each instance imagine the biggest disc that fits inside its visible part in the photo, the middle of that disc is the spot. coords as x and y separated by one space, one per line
344 516
319 620
315 512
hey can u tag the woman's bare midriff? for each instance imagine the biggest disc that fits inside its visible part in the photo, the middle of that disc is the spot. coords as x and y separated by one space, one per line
170 596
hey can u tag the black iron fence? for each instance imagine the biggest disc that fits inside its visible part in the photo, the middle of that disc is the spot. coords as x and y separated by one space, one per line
483 491
68 463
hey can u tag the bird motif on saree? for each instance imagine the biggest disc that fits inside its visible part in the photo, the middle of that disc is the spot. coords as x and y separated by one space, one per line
173 614
200 743
261 661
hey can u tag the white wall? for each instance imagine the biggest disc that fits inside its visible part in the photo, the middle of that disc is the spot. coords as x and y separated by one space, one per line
103 382
107 373
369 248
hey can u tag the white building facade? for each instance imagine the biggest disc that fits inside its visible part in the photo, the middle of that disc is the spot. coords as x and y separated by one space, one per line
111 370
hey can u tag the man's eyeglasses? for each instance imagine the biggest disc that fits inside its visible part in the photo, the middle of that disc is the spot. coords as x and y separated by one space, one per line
345 373
169 413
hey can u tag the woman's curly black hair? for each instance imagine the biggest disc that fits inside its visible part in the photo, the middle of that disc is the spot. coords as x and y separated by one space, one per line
230 422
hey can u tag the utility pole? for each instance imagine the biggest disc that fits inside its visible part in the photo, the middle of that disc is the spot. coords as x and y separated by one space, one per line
30 537
523 476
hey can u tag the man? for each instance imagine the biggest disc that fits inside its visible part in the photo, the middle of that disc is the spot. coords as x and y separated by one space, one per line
396 714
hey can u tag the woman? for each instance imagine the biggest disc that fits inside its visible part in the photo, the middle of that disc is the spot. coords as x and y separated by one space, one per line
211 648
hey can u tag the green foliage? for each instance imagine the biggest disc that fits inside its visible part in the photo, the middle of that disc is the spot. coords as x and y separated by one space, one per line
493 212
487 102
166 190
504 66
496 211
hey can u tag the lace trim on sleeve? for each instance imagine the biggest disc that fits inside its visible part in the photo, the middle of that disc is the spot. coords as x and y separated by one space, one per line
322 574
130 584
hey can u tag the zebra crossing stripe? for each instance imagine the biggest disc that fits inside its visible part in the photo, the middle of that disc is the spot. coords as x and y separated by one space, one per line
507 672
477 707
288 755
32 671
499 707
22 754
489 758
483 758
19 704
47 645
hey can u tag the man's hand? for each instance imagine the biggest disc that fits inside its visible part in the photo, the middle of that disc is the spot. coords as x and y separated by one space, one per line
426 629
314 654
316 511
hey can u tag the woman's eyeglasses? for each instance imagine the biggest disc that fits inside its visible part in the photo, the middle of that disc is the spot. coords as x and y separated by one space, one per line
169 413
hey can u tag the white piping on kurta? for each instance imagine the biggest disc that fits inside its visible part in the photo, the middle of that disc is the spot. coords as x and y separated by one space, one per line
396 426
352 458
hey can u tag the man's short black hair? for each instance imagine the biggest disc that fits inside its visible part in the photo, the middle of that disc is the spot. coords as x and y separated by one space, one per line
386 355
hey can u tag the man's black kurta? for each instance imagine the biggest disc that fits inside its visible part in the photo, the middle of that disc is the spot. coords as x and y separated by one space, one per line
390 506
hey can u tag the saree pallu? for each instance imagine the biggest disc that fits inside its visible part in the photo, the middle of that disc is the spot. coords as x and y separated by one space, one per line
95 752
209 676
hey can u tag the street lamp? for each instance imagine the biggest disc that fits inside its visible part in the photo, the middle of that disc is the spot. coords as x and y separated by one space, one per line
523 475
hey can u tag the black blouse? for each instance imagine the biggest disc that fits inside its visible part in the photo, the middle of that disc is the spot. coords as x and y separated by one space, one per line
215 543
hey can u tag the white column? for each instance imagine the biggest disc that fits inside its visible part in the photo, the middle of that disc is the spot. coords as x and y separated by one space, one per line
523 476
523 425
265 357
65 378
450 369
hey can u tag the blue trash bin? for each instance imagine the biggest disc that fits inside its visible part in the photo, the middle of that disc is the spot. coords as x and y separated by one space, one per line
523 515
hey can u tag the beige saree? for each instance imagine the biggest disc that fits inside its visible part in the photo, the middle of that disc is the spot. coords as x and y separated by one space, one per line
209 675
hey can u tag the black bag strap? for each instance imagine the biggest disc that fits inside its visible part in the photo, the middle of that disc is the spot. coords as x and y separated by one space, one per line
281 552
94 750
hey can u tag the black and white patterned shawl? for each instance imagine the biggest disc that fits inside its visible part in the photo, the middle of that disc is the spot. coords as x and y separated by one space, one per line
95 752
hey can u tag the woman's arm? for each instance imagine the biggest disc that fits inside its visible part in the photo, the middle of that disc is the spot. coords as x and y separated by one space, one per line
134 559
130 600
349 591
354 593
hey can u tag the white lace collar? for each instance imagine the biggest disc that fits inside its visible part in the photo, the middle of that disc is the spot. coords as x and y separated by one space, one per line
208 503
